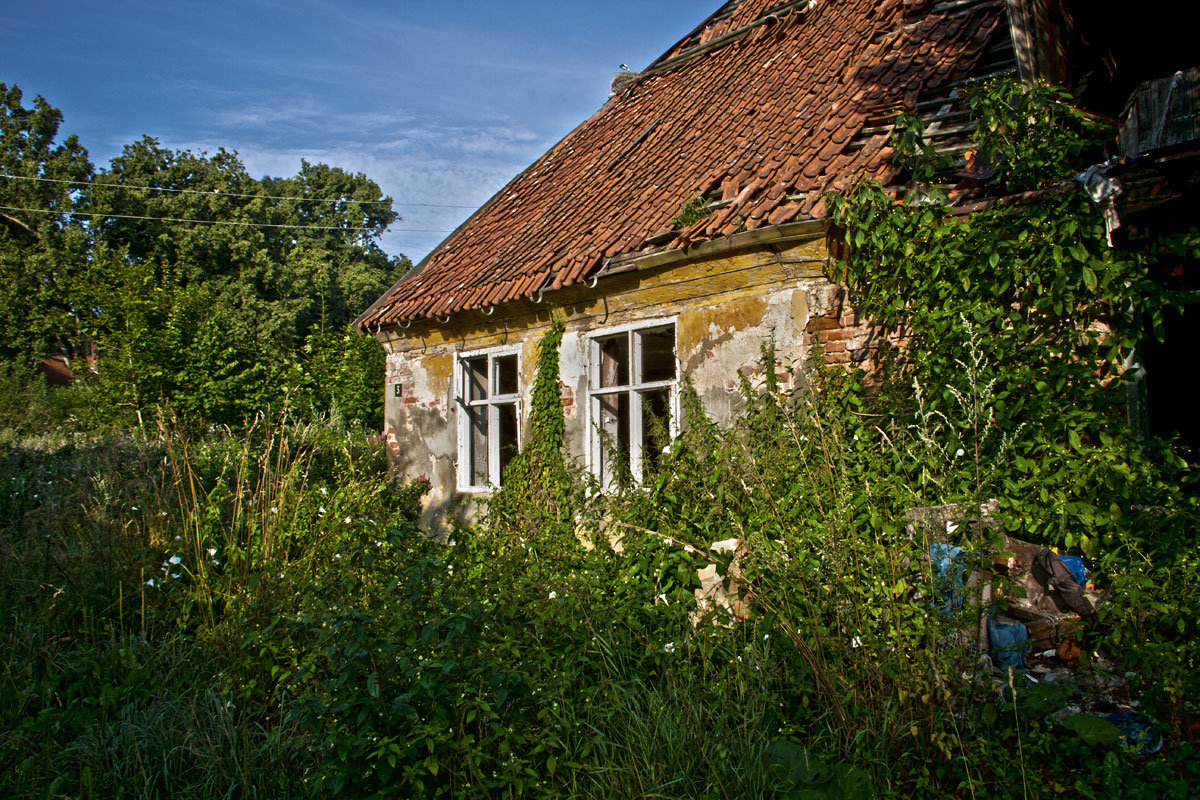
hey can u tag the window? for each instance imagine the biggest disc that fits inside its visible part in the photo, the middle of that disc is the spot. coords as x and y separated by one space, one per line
632 400
489 421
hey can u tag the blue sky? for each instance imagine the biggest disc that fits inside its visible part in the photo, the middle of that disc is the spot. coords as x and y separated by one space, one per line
439 102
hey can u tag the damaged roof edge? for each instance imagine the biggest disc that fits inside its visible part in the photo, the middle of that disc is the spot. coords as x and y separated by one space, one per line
787 233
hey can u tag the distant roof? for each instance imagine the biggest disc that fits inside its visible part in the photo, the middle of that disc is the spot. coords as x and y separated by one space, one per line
761 109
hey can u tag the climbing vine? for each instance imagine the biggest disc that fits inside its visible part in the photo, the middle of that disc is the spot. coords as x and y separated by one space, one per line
1056 308
538 488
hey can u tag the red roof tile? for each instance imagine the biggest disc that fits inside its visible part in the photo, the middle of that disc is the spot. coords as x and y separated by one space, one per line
761 105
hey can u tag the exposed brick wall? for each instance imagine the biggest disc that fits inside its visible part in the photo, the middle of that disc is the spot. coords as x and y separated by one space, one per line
844 337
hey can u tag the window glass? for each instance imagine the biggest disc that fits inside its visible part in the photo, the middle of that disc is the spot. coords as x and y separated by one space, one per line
656 424
506 374
477 446
613 424
614 361
632 401
476 378
658 355
507 425
489 418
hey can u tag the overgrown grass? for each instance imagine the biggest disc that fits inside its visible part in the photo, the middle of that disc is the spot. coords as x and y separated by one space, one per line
257 615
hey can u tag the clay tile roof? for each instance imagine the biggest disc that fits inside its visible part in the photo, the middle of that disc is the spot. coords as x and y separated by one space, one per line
761 107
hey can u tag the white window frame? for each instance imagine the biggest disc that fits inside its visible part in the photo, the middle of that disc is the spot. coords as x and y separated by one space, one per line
633 390
492 401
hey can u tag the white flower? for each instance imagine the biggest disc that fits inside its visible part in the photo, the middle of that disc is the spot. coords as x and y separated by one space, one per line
151 582
174 574
212 551
855 642
663 598
959 453
174 560
162 513
274 510
668 542
669 647
687 548
553 595
766 636
346 520
324 492
135 508
321 510
177 538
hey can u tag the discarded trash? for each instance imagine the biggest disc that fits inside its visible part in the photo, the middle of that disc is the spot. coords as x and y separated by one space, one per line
1138 731
1010 643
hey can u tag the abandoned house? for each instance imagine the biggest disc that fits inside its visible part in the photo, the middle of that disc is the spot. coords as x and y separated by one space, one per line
680 226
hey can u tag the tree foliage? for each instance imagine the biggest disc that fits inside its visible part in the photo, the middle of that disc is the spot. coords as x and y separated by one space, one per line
198 285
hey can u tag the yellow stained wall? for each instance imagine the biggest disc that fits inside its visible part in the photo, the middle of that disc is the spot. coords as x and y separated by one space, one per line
723 308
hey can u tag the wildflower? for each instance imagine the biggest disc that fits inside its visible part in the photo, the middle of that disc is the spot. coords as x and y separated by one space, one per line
687 548
663 599
856 642
174 574
668 542
766 636
174 560
553 594
212 551
321 510
324 492
274 510
959 453
346 520
135 508
152 583
669 647
162 513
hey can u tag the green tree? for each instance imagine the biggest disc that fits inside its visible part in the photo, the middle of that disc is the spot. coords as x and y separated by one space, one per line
43 248
216 315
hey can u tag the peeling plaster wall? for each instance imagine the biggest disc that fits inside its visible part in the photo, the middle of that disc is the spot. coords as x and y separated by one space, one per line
724 309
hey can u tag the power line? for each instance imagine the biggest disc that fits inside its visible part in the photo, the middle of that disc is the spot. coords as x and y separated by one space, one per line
215 221
215 193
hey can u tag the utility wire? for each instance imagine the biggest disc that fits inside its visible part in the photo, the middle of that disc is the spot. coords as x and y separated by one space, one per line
215 193
215 221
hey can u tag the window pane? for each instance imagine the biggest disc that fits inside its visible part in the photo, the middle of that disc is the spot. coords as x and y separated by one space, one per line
613 420
658 355
507 434
475 370
506 375
614 361
656 426
477 449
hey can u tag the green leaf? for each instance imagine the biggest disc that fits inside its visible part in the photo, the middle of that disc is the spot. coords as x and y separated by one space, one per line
1092 730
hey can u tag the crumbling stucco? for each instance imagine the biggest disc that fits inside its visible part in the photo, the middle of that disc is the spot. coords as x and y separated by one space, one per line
723 310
